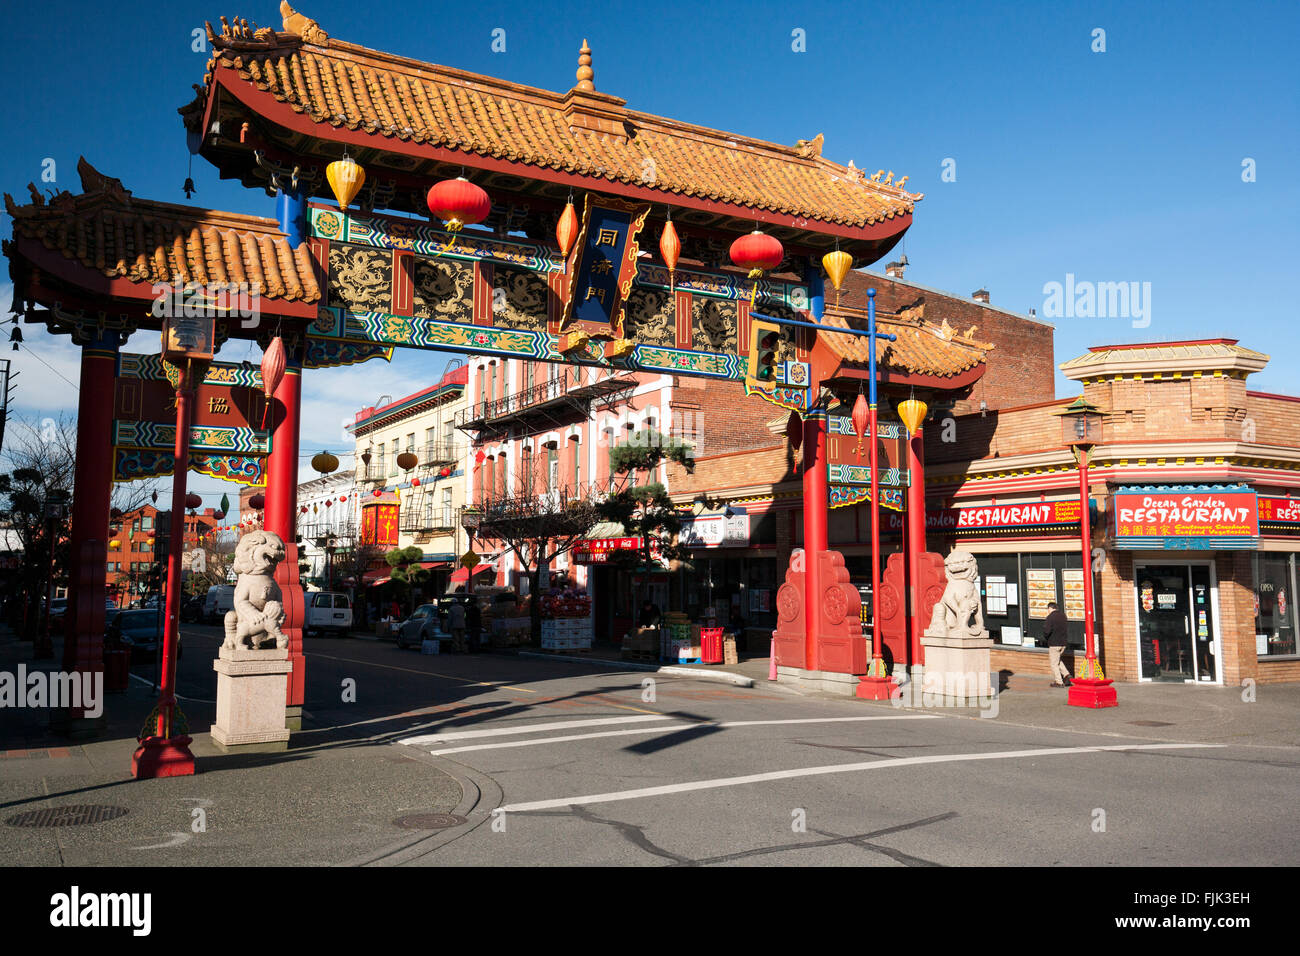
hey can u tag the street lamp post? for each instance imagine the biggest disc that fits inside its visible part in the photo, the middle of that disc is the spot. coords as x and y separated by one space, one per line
1081 429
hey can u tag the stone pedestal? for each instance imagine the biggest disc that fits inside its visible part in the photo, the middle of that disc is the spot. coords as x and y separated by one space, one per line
957 669
251 700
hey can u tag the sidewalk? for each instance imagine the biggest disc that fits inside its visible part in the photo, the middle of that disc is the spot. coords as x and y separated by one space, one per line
330 799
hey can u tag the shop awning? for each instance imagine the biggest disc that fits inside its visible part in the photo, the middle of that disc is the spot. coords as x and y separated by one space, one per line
462 574
435 565
376 577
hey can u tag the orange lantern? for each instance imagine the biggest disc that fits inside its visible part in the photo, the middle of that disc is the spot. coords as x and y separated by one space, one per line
566 230
912 412
346 178
837 265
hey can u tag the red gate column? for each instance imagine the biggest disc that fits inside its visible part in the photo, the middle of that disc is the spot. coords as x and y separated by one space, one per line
816 502
83 646
280 517
915 543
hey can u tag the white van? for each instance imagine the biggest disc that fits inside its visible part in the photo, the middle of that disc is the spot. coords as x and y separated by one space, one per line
219 599
327 611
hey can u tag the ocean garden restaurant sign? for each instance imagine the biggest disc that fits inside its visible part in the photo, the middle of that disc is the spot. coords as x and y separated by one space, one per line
1186 517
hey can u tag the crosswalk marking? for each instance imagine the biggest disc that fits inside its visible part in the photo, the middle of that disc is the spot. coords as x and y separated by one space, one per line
658 728
886 764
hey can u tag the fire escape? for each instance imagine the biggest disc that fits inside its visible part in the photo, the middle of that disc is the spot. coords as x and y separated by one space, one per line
548 404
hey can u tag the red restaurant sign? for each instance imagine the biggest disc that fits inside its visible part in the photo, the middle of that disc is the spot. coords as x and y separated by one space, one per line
1284 512
598 550
1179 518
379 524
993 518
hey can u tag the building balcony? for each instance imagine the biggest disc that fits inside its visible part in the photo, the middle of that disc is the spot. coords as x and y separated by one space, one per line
435 520
549 404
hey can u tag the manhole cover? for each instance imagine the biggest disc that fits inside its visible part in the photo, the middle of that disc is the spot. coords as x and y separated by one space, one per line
429 821
1150 723
76 815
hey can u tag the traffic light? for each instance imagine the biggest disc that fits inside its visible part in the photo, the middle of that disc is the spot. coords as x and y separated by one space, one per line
764 339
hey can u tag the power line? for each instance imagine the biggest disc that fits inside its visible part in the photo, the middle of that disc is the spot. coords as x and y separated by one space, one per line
51 368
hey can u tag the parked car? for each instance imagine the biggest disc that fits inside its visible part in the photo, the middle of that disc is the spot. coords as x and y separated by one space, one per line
327 611
219 599
192 610
140 632
423 624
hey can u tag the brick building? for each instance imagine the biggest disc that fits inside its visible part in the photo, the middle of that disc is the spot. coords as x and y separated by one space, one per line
136 541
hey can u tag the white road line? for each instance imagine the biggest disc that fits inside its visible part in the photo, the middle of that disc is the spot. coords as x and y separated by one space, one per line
666 728
887 764
529 728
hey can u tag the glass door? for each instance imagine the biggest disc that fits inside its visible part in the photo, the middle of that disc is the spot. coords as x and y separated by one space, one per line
1164 613
1203 625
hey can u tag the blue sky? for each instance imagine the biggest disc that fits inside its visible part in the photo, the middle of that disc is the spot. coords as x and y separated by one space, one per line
1115 166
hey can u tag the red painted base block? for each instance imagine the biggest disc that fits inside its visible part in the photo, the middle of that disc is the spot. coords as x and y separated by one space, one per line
876 688
163 757
1092 693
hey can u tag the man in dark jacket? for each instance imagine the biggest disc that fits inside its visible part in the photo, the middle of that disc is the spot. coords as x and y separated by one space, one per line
1055 629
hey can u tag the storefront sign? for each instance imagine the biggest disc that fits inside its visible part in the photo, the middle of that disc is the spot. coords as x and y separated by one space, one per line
1040 585
715 531
1279 515
599 550
1036 516
1185 517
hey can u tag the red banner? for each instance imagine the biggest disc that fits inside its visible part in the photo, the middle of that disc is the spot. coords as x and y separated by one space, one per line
598 550
379 524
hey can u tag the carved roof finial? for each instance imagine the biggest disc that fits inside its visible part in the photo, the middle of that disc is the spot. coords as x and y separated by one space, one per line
585 73
302 26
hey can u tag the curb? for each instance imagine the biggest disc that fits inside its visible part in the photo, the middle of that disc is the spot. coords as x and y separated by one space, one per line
725 677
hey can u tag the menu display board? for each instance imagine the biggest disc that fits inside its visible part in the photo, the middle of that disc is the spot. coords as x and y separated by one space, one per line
995 595
1072 585
1040 588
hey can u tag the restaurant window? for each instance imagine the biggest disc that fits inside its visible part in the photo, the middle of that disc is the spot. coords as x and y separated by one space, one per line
1275 612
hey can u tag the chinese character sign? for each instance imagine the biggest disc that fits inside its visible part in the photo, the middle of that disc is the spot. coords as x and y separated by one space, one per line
379 524
604 266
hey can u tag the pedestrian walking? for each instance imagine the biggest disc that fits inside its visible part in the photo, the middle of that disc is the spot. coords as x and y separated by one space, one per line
474 625
1055 630
456 624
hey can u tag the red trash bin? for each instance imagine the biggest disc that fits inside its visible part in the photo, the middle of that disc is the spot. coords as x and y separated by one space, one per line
711 645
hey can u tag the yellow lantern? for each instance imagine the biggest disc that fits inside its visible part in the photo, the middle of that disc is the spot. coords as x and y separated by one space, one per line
324 462
837 265
115 545
912 412
346 178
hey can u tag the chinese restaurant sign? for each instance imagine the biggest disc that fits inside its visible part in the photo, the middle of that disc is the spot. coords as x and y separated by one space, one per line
379 524
599 550
1279 515
1186 517
604 266
1037 517
715 531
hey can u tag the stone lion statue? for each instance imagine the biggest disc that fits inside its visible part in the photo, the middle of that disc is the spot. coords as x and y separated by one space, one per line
258 610
959 613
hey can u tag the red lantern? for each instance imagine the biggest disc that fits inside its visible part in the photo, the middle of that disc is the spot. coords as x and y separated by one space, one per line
328 502
444 472
257 502
566 230
758 252
304 510
458 202
192 501
379 493
415 482
273 360
861 419
343 499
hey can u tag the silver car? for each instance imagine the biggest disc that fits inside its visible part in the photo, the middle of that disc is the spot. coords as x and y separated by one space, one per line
422 625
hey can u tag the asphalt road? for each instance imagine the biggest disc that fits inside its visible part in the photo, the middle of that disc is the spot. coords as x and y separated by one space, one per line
583 764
